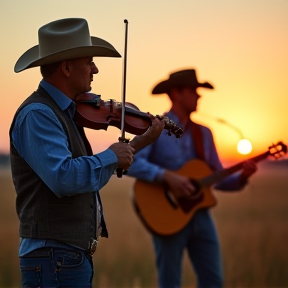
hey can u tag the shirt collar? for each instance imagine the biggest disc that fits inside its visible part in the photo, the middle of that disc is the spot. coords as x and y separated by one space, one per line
59 97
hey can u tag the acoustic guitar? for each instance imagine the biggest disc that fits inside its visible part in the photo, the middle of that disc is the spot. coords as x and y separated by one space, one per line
163 214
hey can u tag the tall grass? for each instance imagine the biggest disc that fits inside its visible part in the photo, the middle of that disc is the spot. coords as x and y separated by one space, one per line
252 226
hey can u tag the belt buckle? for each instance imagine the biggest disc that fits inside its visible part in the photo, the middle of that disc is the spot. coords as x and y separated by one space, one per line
92 246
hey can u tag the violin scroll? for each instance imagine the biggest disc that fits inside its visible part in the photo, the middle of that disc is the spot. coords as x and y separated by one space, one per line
171 126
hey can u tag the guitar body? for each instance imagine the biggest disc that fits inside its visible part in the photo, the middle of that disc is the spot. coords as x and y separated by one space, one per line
160 212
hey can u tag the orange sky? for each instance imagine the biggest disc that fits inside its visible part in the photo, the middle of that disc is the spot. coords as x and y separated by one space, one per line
240 46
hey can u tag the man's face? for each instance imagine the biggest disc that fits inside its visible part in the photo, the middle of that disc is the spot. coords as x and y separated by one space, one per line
81 74
188 98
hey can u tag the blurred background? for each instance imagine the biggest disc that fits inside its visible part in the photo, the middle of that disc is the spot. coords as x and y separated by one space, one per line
240 47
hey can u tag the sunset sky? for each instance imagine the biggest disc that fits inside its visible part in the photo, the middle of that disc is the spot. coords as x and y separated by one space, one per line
240 46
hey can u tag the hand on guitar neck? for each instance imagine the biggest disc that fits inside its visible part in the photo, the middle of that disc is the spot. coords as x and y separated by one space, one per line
249 168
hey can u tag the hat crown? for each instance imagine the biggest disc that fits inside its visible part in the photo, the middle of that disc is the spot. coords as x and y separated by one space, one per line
63 34
184 73
184 78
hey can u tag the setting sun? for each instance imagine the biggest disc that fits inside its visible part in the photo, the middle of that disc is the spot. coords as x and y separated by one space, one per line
244 146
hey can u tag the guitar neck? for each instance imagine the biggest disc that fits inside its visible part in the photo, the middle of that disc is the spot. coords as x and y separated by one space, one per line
219 175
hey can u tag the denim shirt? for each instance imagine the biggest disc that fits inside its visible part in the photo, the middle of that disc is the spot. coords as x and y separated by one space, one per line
168 152
39 138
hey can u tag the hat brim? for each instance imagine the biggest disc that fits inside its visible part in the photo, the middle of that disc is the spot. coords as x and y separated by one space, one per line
166 85
100 48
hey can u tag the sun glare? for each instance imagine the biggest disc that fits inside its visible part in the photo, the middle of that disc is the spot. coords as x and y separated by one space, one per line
244 146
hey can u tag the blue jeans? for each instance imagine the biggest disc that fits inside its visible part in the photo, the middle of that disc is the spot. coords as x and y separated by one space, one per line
56 267
200 239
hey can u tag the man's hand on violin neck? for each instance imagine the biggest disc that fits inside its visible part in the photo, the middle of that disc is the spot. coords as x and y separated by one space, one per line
150 136
124 153
155 129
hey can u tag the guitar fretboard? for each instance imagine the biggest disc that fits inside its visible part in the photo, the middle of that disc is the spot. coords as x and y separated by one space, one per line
219 175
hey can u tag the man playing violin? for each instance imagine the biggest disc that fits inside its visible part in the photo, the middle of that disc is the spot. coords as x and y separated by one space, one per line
157 163
55 173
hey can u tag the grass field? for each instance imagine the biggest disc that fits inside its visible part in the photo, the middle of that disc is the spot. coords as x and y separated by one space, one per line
252 226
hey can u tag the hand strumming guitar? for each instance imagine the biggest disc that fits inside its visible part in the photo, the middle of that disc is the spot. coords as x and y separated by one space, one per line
180 186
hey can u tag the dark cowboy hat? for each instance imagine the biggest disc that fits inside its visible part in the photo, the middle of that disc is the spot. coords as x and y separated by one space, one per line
183 78
64 39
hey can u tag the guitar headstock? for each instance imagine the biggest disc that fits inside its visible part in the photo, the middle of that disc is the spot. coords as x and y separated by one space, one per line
171 126
278 150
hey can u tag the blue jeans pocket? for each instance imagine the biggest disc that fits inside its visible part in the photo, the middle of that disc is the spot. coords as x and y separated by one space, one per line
73 267
56 268
68 259
31 276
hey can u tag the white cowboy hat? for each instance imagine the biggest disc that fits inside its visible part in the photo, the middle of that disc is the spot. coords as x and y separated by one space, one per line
64 39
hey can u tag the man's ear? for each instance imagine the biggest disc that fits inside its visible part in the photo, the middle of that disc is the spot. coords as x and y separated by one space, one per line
65 66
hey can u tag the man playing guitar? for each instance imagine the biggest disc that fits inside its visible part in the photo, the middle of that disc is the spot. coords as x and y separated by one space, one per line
157 164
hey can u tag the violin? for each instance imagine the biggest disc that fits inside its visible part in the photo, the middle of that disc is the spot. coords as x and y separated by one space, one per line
95 113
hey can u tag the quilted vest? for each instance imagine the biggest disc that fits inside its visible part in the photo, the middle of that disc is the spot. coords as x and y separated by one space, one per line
42 214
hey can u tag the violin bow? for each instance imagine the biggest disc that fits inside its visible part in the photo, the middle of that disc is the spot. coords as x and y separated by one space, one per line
122 137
